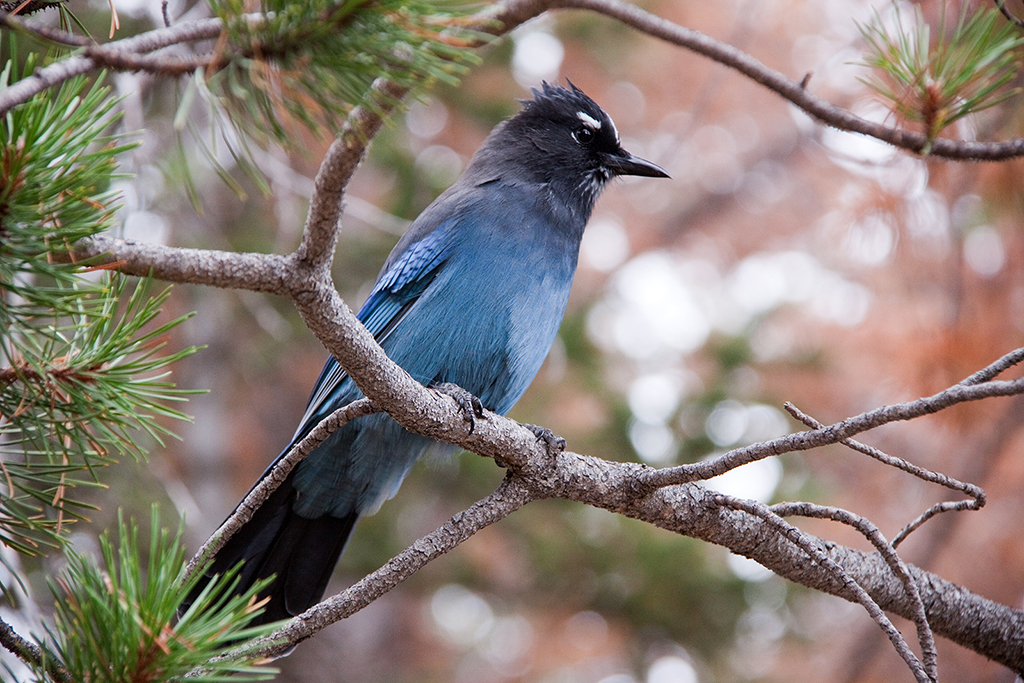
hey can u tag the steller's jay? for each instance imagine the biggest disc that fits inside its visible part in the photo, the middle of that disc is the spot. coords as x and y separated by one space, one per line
472 296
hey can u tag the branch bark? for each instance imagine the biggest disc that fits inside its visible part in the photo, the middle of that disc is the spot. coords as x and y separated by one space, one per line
30 652
508 498
991 629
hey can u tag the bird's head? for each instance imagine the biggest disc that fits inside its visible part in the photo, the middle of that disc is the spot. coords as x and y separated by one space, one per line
562 138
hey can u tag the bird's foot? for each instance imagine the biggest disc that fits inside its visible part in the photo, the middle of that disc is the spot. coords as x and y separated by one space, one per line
554 443
470 404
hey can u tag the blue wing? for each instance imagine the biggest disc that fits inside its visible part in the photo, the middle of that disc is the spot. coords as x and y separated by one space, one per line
397 289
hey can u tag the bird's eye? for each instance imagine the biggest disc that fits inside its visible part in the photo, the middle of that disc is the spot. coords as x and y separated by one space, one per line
583 135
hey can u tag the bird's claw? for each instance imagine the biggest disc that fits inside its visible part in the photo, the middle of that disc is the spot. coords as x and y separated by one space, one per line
470 404
554 443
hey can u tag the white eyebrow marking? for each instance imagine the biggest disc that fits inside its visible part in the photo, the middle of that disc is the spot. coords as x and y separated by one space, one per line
588 120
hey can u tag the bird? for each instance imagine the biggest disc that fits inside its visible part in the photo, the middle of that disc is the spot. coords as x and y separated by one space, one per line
470 301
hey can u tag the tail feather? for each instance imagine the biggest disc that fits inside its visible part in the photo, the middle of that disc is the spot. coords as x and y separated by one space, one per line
313 560
300 552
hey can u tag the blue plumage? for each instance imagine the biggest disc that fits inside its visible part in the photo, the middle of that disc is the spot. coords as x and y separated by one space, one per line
472 295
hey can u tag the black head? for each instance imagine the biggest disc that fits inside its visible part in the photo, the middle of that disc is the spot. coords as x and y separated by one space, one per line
563 139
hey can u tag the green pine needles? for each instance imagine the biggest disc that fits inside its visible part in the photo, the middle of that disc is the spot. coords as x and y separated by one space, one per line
76 394
937 81
81 377
115 619
311 62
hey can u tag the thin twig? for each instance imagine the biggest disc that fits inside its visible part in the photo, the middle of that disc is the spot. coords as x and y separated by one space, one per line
888 553
76 65
808 545
792 90
976 493
277 474
838 432
1006 13
992 371
506 499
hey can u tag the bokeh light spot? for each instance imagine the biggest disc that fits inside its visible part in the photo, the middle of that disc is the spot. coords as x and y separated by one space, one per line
754 481
537 57
426 119
671 669
984 252
463 616
605 244
655 444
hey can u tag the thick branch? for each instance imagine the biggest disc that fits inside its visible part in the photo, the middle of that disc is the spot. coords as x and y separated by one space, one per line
269 273
992 629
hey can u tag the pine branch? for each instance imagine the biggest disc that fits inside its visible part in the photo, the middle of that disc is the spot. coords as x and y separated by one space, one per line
27 7
83 377
937 82
116 620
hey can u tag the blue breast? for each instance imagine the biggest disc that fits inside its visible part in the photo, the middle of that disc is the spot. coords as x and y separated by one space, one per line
477 301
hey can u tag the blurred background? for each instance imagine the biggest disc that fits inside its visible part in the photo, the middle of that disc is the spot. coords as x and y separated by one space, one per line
784 261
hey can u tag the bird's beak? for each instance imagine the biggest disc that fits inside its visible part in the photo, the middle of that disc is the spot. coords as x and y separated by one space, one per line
624 163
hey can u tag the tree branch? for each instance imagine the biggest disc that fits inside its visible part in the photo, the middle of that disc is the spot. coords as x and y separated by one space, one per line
888 553
502 18
993 630
77 65
278 473
30 653
975 492
323 221
856 592
268 273
841 431
794 91
509 497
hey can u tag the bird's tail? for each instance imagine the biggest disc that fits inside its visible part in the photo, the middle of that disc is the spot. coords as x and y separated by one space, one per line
300 552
